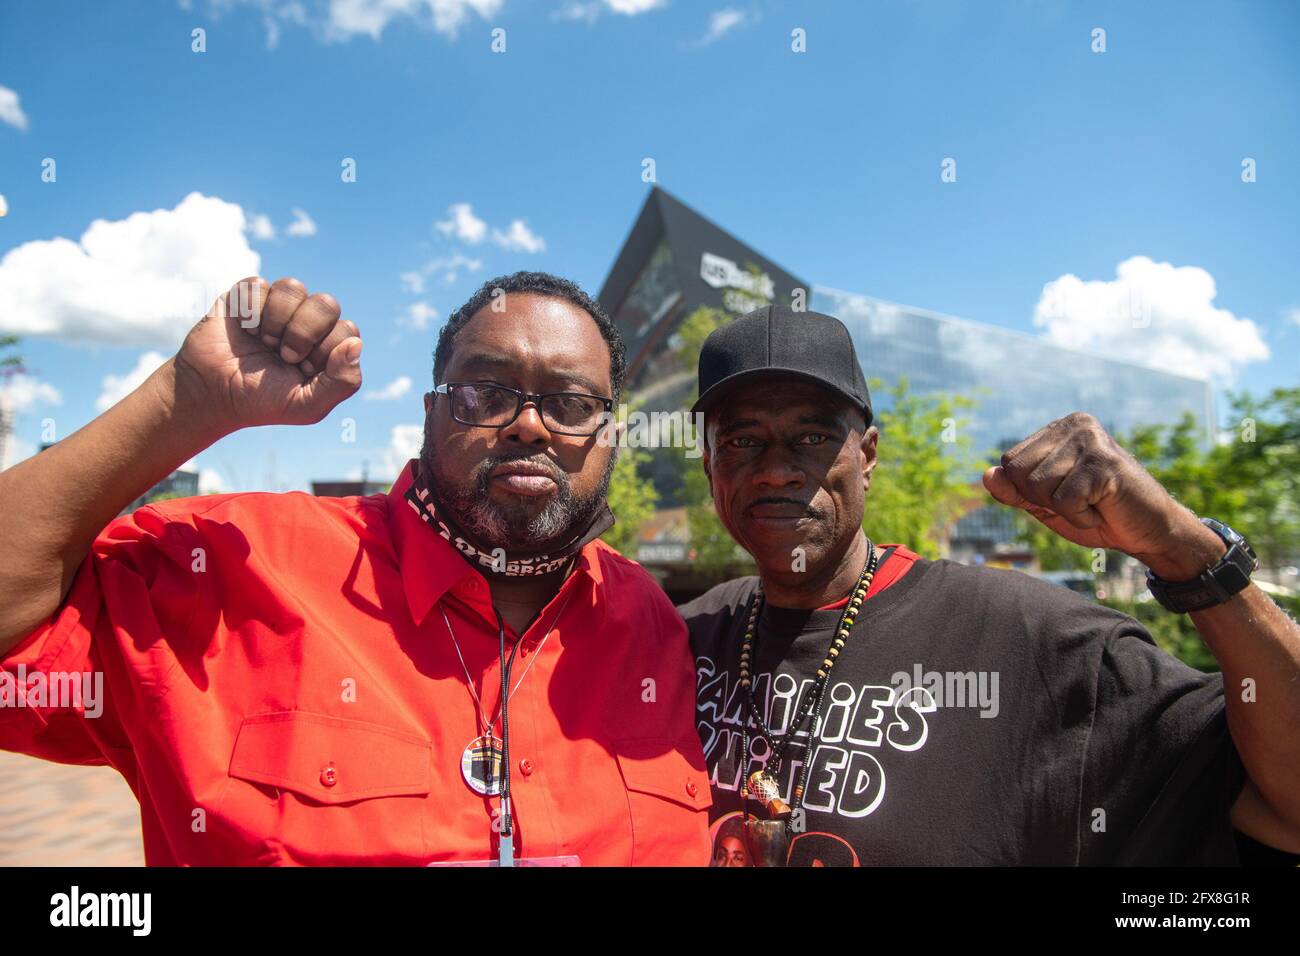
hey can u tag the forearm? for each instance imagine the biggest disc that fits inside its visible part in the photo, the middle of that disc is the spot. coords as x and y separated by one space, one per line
56 502
1258 649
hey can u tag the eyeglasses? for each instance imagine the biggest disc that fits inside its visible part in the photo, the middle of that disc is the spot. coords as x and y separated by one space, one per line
488 405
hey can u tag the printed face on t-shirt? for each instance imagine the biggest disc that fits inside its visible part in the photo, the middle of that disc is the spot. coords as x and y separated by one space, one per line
730 851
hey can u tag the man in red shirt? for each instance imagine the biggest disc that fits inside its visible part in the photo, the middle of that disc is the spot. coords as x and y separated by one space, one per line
456 671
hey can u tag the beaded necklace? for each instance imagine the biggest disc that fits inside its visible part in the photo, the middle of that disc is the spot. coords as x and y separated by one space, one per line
762 784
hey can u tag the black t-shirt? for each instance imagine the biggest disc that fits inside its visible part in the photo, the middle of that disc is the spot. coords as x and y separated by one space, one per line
976 716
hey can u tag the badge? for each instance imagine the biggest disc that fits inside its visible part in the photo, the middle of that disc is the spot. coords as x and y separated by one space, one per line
480 765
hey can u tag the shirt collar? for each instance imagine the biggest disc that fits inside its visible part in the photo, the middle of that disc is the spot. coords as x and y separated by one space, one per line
431 566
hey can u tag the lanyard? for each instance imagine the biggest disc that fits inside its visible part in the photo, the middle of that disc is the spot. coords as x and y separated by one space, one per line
506 847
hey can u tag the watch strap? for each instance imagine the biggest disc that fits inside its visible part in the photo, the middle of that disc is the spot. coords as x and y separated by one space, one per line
1213 586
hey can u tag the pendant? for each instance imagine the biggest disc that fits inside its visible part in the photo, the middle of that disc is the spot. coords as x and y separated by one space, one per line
764 789
480 764
767 842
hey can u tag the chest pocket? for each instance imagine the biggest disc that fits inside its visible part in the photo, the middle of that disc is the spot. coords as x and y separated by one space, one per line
314 789
668 799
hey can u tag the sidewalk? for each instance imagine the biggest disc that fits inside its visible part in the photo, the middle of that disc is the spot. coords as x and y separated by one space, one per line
56 815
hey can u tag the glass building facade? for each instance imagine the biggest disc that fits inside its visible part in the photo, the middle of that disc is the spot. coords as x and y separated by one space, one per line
1020 383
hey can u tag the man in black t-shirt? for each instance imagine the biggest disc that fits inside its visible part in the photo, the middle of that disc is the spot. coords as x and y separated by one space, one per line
869 706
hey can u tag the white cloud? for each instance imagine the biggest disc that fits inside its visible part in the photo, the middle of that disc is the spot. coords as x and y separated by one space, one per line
417 316
445 267
20 392
261 228
348 18
114 388
462 224
403 445
1294 315
211 482
390 392
589 10
1155 314
11 110
722 22
341 20
449 266
143 280
4 205
519 238
633 8
302 224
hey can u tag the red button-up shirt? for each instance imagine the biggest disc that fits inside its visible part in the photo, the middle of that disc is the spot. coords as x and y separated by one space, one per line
279 687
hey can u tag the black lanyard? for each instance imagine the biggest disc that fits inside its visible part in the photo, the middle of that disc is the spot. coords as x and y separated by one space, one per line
506 848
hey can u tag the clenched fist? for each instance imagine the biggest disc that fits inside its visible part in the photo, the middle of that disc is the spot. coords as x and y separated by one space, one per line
271 355
1077 480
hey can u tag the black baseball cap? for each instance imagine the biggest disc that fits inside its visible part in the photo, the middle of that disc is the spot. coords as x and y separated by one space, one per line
777 341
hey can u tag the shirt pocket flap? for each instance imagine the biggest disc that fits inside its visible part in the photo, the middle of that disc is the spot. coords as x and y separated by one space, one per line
331 759
660 767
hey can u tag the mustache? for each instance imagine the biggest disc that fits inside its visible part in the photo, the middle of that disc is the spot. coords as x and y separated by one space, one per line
484 469
810 509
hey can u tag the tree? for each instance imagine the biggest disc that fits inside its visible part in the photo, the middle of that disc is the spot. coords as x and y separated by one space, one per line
631 498
920 484
1261 462
12 362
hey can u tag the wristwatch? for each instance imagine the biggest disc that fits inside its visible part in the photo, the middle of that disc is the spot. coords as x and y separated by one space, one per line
1213 586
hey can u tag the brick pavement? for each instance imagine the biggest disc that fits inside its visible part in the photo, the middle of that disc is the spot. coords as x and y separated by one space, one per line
56 815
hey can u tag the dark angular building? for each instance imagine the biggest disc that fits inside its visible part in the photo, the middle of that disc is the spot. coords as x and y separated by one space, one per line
674 261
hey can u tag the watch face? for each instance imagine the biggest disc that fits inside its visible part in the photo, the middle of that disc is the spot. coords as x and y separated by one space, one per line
1223 531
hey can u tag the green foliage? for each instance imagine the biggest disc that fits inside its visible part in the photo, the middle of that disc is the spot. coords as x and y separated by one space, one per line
919 485
695 328
1054 552
1250 480
1261 463
631 498
13 360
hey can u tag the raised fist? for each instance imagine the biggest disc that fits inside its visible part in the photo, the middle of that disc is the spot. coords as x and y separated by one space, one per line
271 355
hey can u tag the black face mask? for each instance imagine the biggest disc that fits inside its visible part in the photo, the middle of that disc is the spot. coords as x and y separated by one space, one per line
499 561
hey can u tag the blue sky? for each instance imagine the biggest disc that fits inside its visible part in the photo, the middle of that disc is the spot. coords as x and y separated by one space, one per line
1069 162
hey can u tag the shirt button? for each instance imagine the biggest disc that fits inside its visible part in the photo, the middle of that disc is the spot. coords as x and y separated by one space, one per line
691 788
329 776
526 767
